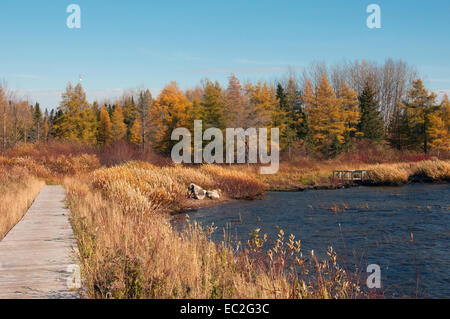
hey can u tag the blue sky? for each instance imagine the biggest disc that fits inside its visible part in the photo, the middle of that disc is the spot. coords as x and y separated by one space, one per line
130 44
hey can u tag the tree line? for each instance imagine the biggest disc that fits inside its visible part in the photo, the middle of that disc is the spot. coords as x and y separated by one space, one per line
324 110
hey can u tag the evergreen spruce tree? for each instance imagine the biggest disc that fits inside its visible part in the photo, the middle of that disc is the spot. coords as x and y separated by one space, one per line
371 124
290 114
38 122
213 105
418 108
130 113
144 106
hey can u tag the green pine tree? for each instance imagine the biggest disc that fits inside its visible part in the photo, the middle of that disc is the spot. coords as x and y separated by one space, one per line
38 122
371 123
212 105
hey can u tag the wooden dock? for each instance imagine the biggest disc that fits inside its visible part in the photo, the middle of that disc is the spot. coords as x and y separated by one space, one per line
36 256
349 175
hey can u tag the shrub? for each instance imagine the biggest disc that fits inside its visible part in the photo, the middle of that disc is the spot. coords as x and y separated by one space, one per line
432 170
160 189
386 175
166 187
235 183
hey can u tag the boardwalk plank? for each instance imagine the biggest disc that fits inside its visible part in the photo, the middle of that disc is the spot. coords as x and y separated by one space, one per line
36 256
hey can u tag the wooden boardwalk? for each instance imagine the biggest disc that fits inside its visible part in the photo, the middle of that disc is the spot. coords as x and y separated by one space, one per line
37 255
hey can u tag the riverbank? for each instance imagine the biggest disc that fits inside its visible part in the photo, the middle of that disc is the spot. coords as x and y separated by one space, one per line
319 176
128 248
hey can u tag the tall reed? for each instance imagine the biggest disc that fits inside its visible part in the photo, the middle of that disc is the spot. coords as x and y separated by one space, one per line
128 248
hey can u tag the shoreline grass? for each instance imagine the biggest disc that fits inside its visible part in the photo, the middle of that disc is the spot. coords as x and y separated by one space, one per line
128 248
318 175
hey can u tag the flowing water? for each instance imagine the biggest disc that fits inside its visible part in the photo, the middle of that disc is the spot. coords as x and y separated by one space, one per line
365 225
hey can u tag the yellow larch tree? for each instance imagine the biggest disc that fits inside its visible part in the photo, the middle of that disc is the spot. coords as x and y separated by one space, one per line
77 120
136 132
439 127
262 104
171 111
104 136
350 110
325 117
119 128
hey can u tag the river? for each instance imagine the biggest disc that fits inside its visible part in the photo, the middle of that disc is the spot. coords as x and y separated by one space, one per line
365 225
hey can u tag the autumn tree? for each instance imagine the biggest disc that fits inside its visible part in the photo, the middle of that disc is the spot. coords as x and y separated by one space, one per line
143 108
325 117
76 119
136 132
439 127
105 134
350 111
212 105
445 111
262 104
171 111
418 109
195 113
119 128
236 111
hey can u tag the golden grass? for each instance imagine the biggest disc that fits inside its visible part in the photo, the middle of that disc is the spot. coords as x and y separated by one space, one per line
53 167
129 250
308 174
401 173
237 183
18 189
166 188
386 174
433 170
